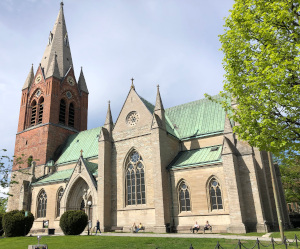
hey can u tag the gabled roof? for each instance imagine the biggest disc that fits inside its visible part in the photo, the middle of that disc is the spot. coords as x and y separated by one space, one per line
85 140
198 157
55 177
198 118
65 174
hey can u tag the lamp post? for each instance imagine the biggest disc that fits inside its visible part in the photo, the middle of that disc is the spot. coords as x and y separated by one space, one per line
89 222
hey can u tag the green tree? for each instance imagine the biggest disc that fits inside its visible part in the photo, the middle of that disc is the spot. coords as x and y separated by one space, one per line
290 176
3 205
261 46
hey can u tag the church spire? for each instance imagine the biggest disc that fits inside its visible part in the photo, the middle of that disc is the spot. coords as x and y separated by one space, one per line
81 82
58 42
29 79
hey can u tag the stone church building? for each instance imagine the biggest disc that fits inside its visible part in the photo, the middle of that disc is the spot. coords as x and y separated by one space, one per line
165 168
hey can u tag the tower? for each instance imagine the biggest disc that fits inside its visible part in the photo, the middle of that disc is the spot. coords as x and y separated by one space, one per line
53 104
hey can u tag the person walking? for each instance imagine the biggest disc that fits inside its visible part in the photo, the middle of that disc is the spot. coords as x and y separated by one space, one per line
98 227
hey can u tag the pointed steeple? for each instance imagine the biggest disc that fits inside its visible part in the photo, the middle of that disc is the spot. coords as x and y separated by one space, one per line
58 42
29 79
53 68
81 82
159 112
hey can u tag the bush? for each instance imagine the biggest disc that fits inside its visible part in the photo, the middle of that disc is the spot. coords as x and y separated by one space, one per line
73 222
1 227
16 224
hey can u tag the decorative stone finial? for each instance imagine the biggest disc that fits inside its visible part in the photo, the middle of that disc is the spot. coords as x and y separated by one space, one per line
81 152
61 4
132 85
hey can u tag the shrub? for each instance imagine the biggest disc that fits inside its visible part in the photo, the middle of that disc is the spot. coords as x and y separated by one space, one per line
16 224
1 227
73 222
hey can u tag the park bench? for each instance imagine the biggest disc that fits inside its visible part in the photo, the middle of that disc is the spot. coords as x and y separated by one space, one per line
116 228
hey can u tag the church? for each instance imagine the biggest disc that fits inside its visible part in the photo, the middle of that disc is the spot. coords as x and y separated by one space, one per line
164 168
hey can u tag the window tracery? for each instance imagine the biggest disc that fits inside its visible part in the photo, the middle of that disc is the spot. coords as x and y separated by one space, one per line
59 196
42 204
184 197
135 180
216 202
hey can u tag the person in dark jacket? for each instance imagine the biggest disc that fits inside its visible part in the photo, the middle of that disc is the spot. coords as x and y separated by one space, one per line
98 227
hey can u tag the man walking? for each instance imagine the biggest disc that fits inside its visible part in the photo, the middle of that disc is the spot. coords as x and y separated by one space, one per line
98 227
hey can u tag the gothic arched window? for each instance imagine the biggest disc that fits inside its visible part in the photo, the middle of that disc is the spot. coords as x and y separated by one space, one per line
71 115
41 110
215 194
62 112
135 180
59 196
82 205
184 197
42 204
33 113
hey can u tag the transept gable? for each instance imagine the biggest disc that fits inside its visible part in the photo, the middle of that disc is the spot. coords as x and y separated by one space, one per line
134 114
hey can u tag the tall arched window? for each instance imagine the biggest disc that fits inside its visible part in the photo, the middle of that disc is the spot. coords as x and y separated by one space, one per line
33 113
42 204
41 110
184 197
135 179
82 205
59 196
62 112
215 195
71 115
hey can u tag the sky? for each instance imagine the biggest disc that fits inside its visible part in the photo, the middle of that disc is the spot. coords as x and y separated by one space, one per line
173 43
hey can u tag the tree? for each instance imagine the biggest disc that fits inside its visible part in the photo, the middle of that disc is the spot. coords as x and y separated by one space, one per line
3 205
290 176
261 46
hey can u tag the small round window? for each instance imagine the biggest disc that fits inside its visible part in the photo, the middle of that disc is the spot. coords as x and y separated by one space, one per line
132 118
69 94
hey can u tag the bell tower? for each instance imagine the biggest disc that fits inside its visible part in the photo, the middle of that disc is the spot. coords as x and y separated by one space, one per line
54 104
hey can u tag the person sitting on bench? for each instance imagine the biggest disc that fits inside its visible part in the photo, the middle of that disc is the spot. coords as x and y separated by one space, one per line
207 226
196 227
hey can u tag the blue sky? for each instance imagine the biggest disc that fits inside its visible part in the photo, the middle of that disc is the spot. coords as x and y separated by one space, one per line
173 43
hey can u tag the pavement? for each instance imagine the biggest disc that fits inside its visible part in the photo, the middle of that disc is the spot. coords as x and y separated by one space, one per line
176 235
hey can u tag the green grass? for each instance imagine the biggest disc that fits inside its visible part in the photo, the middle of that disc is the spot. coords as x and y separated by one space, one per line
289 234
246 234
93 242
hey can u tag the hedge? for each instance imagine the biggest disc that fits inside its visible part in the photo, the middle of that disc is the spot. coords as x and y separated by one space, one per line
73 222
16 224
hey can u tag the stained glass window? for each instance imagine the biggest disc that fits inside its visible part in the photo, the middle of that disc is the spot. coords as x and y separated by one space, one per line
184 198
135 180
42 204
59 196
215 195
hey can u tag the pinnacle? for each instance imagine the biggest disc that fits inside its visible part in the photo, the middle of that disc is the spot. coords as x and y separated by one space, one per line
158 103
29 79
81 82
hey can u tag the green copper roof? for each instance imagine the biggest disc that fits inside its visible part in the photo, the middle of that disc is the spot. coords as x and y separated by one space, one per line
197 157
169 126
66 174
56 177
198 118
92 167
85 140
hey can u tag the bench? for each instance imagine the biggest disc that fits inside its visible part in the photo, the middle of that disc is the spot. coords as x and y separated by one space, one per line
115 228
141 229
184 229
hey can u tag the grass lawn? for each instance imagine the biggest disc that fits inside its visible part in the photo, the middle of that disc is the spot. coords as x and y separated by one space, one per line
289 234
93 242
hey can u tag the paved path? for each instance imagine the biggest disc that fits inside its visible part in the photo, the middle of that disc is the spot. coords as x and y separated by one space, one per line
176 235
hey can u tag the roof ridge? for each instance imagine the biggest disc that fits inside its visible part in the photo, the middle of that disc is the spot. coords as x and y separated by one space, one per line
192 102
